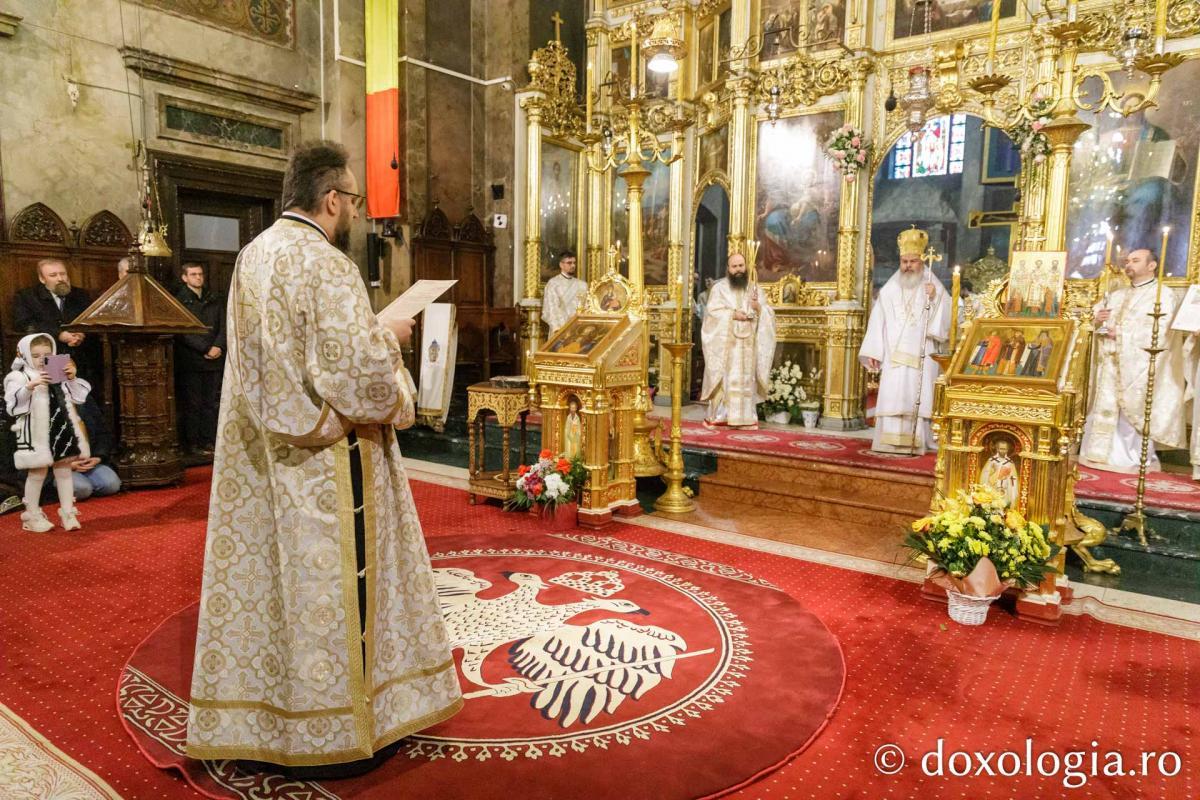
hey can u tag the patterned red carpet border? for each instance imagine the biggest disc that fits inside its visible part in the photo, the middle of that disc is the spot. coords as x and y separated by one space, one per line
1163 489
76 605
588 656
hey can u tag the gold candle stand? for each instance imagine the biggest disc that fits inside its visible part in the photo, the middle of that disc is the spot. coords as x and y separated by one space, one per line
675 500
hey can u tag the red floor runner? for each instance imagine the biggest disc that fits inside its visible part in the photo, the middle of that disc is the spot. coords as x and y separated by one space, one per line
75 606
1163 489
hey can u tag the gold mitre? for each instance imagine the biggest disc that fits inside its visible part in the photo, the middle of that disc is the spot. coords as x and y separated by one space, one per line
912 242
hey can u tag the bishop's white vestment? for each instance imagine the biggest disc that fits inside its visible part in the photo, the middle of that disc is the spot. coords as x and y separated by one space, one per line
894 338
737 354
313 385
560 300
1112 435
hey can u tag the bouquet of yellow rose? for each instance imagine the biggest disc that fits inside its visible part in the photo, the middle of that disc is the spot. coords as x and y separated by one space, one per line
979 545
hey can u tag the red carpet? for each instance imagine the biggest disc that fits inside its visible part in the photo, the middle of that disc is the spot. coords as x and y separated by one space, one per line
75 607
1163 489
734 700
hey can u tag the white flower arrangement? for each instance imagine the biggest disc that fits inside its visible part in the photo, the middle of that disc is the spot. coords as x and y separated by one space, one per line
850 150
785 392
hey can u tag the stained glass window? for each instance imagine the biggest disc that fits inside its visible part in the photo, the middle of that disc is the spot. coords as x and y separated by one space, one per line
938 149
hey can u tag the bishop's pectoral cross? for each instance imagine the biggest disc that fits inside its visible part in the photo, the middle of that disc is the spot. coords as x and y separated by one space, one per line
558 21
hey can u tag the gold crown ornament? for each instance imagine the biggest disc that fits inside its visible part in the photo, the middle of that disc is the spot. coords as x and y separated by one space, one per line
912 242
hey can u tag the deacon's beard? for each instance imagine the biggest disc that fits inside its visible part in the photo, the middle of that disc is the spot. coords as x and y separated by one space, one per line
739 281
909 280
62 289
341 234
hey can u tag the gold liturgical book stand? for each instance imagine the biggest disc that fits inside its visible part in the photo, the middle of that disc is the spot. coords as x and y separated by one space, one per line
1005 414
585 381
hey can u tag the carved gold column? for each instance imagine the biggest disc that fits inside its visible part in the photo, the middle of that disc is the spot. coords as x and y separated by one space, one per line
1064 128
1034 179
597 180
842 400
740 120
675 266
531 304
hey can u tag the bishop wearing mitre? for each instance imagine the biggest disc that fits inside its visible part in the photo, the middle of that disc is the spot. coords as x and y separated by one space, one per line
738 336
1112 435
910 321
319 640
563 292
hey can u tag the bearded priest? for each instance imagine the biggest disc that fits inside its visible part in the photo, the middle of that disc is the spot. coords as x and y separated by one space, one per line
738 336
909 322
320 640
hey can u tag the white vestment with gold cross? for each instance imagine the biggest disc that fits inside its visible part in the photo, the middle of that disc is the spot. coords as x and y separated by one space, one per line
737 353
283 673
901 335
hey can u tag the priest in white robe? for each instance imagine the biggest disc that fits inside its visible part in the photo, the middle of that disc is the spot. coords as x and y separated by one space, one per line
738 337
1112 435
563 293
320 639
910 321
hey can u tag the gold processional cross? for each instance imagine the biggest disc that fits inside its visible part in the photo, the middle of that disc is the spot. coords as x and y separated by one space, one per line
558 22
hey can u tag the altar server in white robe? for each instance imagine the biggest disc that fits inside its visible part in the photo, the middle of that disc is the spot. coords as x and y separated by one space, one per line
1112 435
910 321
320 639
738 336
563 292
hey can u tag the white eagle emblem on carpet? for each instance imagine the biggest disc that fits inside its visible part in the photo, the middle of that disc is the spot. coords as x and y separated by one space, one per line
574 672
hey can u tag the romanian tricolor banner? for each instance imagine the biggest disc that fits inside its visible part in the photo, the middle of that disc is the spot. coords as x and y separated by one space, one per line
385 163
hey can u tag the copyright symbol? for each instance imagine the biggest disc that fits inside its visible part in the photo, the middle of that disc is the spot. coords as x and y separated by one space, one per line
889 759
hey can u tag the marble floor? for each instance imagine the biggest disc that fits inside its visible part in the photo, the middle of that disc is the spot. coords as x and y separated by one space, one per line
862 548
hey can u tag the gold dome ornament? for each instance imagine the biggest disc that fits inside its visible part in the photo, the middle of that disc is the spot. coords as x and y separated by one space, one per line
912 242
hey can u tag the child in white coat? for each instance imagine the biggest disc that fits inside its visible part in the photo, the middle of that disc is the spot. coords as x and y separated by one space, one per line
49 433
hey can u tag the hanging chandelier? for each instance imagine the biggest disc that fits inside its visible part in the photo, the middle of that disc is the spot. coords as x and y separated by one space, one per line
919 98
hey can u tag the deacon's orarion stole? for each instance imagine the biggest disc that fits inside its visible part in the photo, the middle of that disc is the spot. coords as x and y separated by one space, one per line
384 162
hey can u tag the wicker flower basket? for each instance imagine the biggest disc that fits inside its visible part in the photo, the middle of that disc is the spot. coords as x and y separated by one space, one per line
966 609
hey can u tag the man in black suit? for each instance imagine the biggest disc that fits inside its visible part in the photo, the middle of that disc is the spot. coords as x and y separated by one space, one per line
50 306
200 363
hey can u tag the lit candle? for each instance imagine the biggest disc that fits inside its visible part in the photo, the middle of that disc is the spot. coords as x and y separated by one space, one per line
1160 26
1108 248
991 58
588 97
1162 263
1072 10
955 292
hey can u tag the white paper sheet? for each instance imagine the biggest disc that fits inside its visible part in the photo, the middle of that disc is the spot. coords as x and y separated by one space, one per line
413 302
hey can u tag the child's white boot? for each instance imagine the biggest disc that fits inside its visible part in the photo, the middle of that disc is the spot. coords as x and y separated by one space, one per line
70 519
36 522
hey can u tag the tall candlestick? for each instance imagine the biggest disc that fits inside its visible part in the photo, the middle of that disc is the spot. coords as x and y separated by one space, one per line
1160 25
588 96
955 293
1162 263
991 57
1108 248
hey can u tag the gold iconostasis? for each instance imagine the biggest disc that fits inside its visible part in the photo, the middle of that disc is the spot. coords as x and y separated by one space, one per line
939 91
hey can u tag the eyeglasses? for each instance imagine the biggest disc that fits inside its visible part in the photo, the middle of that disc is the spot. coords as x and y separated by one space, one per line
359 199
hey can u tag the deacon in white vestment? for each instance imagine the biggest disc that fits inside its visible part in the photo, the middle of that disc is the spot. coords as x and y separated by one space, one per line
1112 435
738 336
910 321
320 639
560 299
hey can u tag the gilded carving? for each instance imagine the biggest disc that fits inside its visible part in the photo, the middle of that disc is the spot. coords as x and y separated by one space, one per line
980 409
552 73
